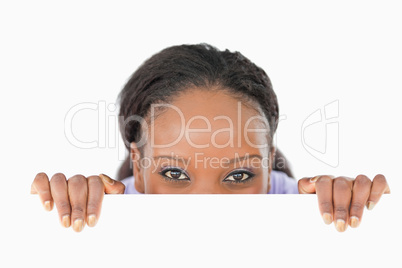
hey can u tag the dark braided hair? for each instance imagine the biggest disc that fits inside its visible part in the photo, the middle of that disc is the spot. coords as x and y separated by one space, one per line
177 68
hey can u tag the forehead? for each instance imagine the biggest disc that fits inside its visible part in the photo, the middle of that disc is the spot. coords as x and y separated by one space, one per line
210 121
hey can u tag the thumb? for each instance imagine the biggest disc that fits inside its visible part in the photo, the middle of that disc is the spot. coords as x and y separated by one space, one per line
307 185
112 186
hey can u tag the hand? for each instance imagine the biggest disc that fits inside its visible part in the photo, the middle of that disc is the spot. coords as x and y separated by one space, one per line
341 200
78 200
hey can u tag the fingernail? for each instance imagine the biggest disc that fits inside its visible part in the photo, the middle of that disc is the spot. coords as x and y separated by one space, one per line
314 179
354 221
47 205
106 179
91 220
327 218
78 225
370 205
66 221
340 225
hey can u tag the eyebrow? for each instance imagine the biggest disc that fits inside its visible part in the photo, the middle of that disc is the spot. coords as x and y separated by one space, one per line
231 161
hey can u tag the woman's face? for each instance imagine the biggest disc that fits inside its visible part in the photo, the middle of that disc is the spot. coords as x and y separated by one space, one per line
205 142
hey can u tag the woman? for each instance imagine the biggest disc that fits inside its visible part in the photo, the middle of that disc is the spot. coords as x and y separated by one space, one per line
199 120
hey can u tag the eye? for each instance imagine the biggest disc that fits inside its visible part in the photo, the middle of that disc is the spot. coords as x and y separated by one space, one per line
239 176
174 174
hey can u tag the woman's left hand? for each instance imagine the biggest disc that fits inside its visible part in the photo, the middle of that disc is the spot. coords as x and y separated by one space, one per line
342 200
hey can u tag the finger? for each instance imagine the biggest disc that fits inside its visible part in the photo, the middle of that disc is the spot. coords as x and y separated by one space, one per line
361 192
112 186
378 188
78 192
58 184
323 187
41 186
95 196
342 194
307 185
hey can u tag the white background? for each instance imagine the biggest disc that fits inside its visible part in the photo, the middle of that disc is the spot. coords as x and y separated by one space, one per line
56 55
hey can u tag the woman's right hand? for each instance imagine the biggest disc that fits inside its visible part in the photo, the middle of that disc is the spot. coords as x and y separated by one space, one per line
78 200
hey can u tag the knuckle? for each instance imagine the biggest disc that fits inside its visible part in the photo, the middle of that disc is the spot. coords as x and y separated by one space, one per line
78 210
92 207
41 174
64 206
57 178
95 186
356 206
362 180
326 206
77 179
341 210
40 177
380 179
58 174
324 179
95 181
342 183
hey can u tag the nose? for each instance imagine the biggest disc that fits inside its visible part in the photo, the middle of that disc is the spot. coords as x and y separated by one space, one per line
205 189
203 192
